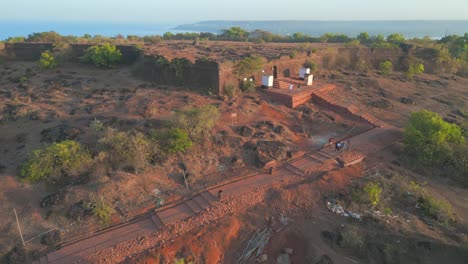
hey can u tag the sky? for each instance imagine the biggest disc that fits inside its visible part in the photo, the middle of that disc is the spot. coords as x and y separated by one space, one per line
188 11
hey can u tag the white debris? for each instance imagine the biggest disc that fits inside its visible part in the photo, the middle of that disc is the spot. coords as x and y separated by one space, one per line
338 209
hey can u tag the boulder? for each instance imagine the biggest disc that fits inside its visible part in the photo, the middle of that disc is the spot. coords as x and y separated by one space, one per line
81 210
245 131
268 151
52 199
51 238
325 259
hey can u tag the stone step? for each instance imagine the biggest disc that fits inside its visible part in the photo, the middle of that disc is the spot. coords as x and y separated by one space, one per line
317 158
157 222
194 206
202 202
294 170
209 197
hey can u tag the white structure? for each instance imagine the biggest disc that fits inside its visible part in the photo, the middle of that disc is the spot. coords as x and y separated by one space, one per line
309 80
267 80
303 72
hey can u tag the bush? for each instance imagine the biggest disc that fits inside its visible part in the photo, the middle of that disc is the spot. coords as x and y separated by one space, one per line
131 151
103 210
104 56
414 69
197 122
373 191
429 139
310 64
47 60
174 140
96 125
249 66
66 158
248 86
431 206
386 67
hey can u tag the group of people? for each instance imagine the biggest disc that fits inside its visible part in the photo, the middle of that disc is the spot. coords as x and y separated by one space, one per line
339 145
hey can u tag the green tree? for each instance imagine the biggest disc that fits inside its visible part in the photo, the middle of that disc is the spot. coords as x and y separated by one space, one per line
395 39
176 140
53 163
363 37
47 60
310 64
197 121
249 66
386 67
235 33
373 191
104 56
428 138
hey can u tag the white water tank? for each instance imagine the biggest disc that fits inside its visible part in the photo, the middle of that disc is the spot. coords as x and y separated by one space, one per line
309 79
303 72
267 80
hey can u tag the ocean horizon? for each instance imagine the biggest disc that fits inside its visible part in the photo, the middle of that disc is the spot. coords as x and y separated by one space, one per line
434 29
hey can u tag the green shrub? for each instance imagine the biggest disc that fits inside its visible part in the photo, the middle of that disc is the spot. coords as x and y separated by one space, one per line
104 56
47 60
248 86
96 125
414 69
249 66
174 140
103 210
429 139
386 67
132 150
373 191
197 122
310 64
66 158
293 54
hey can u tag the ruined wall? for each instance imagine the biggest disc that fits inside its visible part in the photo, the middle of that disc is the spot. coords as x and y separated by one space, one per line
200 76
32 51
26 51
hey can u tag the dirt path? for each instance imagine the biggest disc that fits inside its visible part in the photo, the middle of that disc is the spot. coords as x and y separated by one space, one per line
367 143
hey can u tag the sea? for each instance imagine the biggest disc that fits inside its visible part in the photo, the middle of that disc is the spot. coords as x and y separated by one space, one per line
24 28
432 28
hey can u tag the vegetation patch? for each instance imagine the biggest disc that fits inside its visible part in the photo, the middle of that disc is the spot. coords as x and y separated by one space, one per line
47 60
103 56
56 162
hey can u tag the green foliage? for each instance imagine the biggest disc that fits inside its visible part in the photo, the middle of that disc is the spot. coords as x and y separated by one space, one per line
310 64
363 37
104 56
432 206
197 122
235 33
128 150
178 65
395 39
47 37
66 158
173 141
248 85
47 60
428 138
15 39
292 54
249 66
96 125
103 210
414 69
373 192
386 67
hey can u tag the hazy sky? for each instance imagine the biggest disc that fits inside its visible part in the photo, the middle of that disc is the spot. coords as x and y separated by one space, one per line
178 11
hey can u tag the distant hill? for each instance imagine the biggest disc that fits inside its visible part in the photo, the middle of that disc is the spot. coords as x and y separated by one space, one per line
433 29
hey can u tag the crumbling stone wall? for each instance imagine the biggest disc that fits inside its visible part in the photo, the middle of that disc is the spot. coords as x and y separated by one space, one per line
201 76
